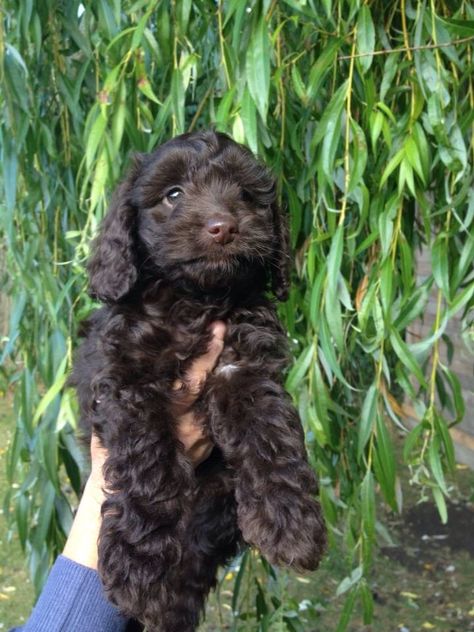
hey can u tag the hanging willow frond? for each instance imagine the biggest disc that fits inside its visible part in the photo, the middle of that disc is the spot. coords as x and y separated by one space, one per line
364 112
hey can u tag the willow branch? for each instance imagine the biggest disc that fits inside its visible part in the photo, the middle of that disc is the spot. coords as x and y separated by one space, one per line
404 49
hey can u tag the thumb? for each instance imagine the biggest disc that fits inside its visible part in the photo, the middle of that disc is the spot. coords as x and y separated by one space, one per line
216 345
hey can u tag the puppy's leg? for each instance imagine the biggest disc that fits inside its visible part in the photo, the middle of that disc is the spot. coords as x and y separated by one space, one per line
209 539
149 482
260 435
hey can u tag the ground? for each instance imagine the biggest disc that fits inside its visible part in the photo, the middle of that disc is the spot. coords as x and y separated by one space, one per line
423 581
16 591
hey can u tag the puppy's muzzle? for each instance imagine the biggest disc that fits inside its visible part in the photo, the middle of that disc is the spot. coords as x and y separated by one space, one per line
222 229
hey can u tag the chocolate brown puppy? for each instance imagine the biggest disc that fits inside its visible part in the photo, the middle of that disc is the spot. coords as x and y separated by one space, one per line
193 235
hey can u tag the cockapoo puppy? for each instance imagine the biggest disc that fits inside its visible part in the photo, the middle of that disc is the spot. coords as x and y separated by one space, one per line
193 235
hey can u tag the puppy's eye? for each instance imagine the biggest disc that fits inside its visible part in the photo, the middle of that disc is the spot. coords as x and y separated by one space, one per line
246 196
173 195
257 204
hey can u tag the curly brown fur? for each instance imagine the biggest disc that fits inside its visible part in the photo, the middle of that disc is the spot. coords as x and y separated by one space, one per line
164 276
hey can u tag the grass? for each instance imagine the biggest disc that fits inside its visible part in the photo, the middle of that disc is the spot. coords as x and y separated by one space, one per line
423 577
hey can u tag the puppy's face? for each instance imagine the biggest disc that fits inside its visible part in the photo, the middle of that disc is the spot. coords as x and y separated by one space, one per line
205 211
200 209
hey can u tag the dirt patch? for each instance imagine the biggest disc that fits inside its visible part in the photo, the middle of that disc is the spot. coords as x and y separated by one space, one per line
422 538
424 522
428 583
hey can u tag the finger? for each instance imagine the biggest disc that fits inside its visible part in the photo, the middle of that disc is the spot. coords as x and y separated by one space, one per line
198 454
197 445
199 369
189 432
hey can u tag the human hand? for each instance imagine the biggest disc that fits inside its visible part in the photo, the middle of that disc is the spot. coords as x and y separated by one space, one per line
196 445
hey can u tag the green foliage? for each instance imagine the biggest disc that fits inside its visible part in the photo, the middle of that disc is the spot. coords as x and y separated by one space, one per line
365 113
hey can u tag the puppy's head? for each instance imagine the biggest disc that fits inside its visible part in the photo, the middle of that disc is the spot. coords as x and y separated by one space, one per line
200 209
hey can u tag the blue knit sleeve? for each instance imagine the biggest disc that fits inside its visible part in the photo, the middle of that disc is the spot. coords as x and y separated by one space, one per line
73 601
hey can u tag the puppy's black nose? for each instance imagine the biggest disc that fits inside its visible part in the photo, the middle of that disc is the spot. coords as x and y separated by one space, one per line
223 231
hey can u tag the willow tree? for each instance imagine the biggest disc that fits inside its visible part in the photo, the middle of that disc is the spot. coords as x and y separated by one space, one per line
364 110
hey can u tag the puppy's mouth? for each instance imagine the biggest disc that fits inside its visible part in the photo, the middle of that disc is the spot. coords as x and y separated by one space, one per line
214 261
213 271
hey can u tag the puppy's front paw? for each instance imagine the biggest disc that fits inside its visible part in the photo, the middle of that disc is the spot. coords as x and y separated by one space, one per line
287 527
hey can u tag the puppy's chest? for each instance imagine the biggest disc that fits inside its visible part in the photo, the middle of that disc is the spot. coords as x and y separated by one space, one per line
229 361
190 343
190 340
161 342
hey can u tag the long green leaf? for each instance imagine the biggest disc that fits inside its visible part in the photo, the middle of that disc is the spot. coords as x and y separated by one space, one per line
258 67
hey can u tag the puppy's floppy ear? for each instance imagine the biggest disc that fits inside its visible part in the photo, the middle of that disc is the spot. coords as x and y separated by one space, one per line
281 254
113 266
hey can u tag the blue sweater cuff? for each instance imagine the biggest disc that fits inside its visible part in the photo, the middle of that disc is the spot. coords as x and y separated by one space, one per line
73 600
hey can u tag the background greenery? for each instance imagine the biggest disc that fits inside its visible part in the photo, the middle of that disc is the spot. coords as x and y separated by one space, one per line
365 112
